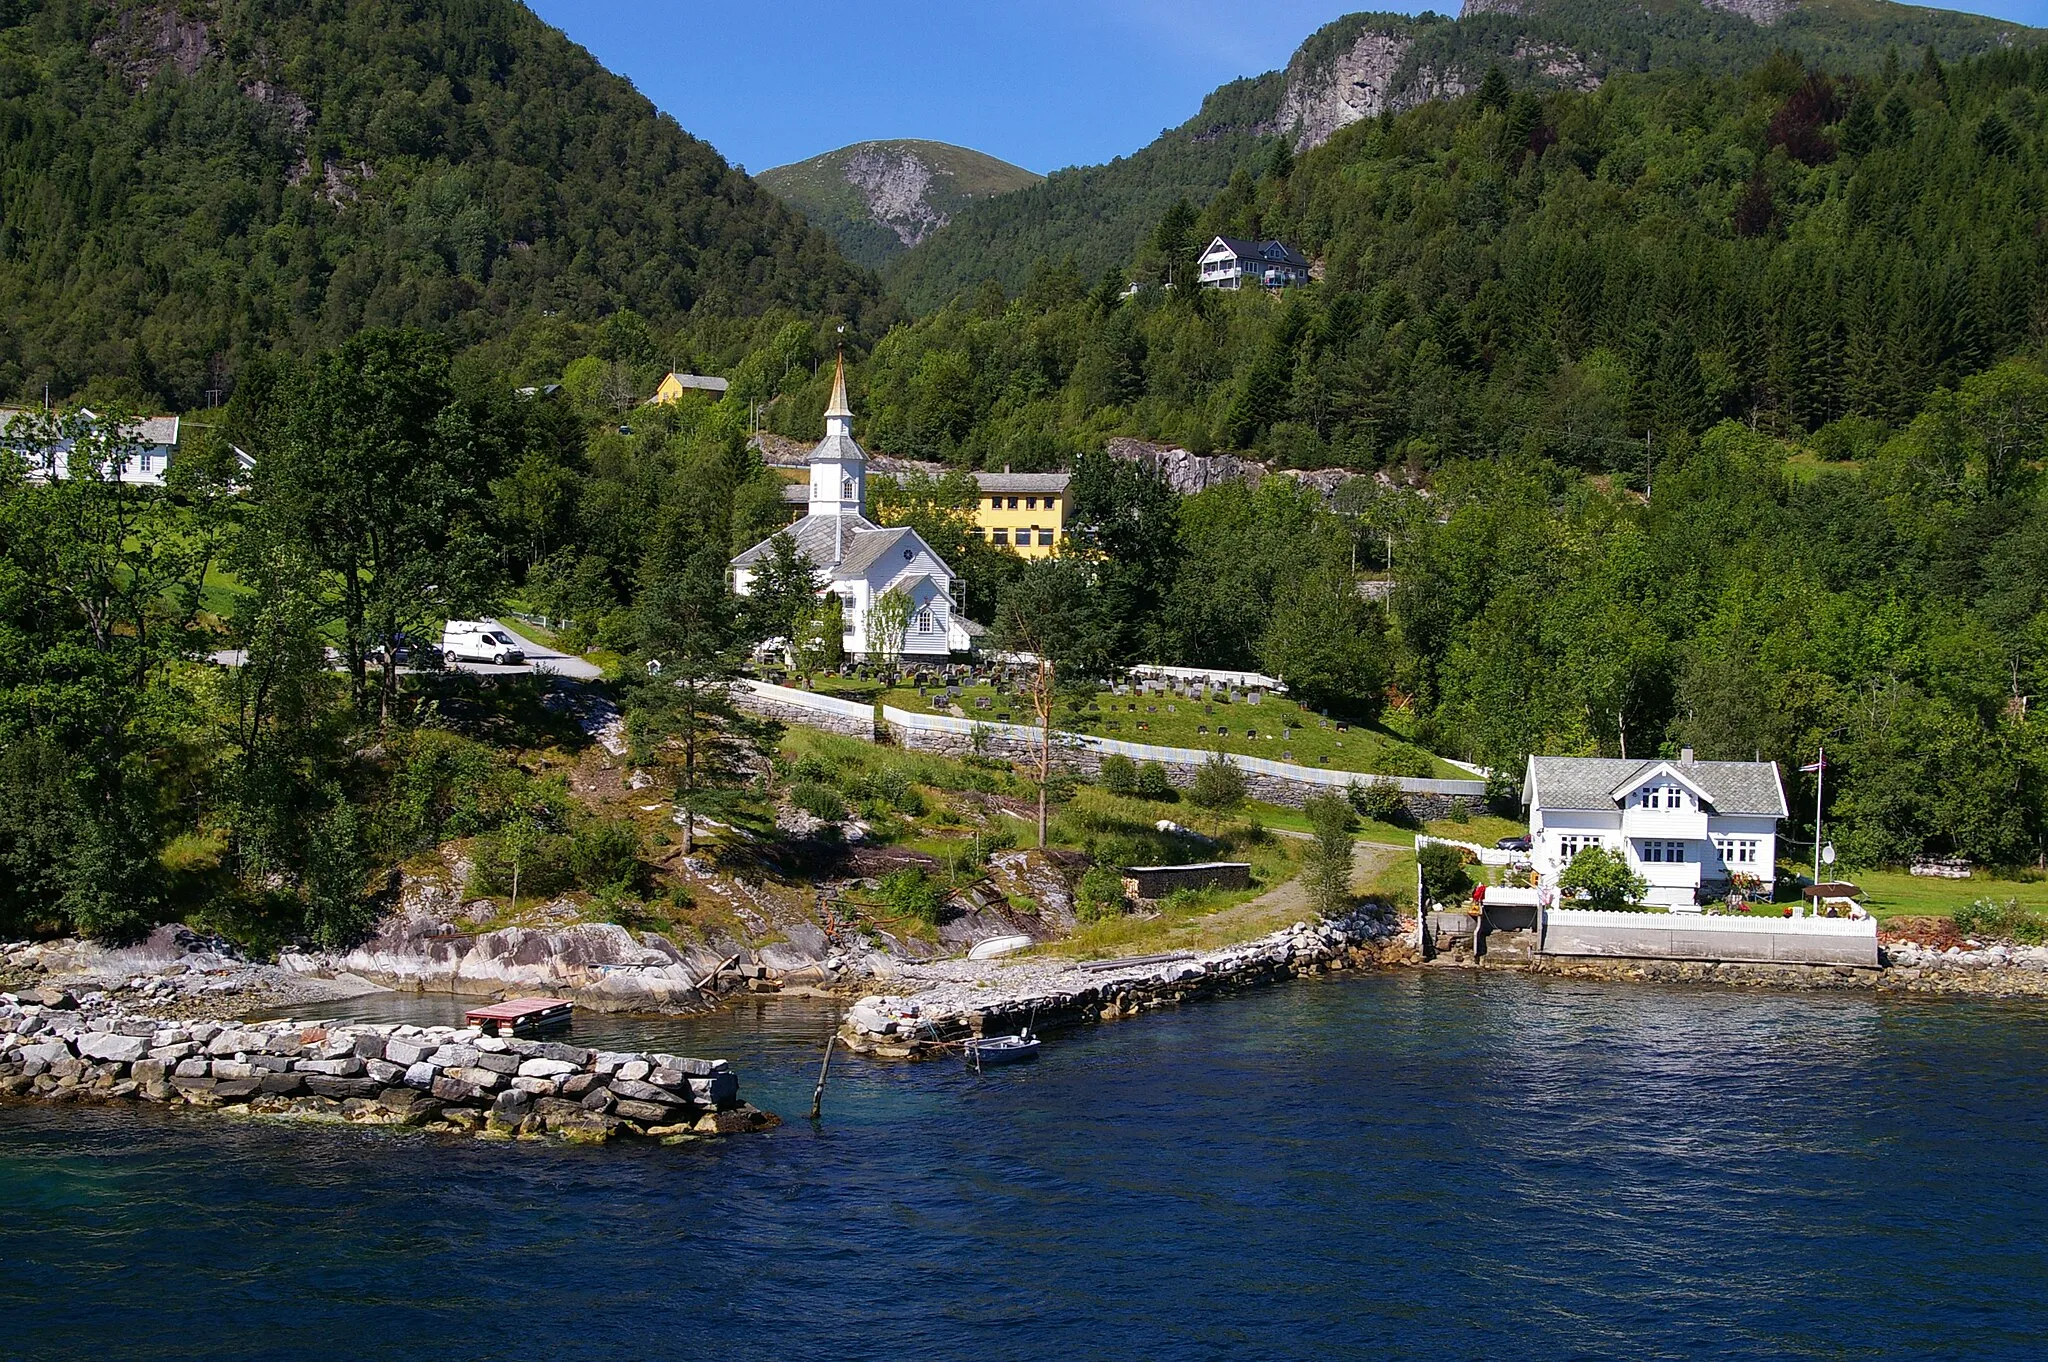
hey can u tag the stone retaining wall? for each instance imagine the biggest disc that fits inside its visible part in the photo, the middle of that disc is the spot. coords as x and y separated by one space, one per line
450 1080
790 706
1087 762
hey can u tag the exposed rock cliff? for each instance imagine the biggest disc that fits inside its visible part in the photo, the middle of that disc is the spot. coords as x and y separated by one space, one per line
878 199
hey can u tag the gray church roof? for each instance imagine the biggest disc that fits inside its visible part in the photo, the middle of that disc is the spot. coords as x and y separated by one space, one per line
816 540
869 549
1739 787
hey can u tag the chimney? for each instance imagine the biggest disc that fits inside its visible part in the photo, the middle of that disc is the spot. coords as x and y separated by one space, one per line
1685 756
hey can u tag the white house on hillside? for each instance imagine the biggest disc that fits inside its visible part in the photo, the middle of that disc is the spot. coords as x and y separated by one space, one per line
859 559
152 443
1687 827
1229 263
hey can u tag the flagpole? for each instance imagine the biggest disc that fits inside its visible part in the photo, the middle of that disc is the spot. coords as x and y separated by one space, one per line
1820 778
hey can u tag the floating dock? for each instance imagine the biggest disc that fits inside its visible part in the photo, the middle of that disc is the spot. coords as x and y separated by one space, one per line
520 1016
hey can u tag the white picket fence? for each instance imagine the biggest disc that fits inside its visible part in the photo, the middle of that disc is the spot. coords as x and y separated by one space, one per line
1173 756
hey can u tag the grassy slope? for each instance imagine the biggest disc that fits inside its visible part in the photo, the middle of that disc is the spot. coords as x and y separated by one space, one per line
1178 723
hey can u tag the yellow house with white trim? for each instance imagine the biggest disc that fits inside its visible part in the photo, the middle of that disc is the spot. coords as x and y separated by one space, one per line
1025 513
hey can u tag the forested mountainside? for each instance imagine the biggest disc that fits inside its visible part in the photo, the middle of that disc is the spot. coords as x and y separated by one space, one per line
186 184
1560 275
878 199
1363 65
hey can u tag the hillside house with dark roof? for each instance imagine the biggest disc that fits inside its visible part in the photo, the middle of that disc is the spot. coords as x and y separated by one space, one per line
1230 263
1687 827
858 560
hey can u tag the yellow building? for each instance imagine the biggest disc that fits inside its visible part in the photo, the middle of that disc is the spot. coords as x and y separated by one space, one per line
674 385
1023 512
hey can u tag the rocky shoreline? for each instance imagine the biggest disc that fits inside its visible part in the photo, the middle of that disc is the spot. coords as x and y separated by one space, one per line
942 1003
59 1047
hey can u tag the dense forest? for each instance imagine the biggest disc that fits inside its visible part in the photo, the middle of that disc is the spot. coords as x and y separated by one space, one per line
1097 215
189 186
1701 409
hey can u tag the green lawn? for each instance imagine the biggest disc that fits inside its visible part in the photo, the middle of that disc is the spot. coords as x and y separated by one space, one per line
1894 893
1276 728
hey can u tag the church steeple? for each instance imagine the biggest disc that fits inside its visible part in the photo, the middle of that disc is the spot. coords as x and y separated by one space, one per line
838 465
837 409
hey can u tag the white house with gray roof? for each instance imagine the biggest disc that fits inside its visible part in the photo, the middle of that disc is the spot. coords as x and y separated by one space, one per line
147 448
859 560
1687 827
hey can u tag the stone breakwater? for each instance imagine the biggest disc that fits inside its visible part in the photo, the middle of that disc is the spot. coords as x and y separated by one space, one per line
943 1002
448 1080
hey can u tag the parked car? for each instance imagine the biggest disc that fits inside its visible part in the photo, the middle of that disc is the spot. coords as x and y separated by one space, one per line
481 641
406 651
1514 844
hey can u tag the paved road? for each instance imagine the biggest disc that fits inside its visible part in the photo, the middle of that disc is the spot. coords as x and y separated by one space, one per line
539 660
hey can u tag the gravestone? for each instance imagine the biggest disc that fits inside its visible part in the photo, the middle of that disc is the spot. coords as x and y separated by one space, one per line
1254 697
1201 728
1151 709
983 702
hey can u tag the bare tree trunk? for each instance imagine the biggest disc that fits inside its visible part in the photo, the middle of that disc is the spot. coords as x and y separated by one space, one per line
1043 699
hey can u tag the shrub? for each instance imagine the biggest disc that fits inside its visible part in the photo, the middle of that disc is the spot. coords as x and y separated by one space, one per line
818 800
2007 919
1326 869
1380 801
1100 894
1444 879
1154 783
1219 784
1119 774
811 768
1604 878
604 854
912 893
1060 787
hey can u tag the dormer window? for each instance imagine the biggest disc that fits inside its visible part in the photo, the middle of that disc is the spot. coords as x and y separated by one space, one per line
1667 796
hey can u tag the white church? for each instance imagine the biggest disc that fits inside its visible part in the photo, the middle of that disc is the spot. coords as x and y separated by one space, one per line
858 559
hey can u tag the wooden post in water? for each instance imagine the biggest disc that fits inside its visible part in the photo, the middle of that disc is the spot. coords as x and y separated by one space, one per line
818 1093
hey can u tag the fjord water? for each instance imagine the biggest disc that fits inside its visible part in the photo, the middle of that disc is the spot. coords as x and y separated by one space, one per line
1397 1166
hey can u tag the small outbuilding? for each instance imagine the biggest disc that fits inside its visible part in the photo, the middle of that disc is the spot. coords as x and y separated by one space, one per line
1157 881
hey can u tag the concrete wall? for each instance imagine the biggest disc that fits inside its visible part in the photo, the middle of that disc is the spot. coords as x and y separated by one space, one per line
1693 936
791 706
1275 782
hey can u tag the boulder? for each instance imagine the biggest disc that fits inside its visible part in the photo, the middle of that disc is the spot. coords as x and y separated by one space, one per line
642 1092
328 1085
546 1068
406 1051
56 999
192 1068
576 1085
369 1047
112 1048
650 1113
172 1053
635 1069
270 1064
233 1070
457 1056
283 1083
453 1090
46 1052
421 1075
539 1087
598 1100
349 1067
147 1071
384 1071
237 1089
499 1062
695 1068
481 1079
575 1056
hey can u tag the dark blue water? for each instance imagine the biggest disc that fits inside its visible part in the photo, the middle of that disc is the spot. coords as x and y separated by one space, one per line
1436 1166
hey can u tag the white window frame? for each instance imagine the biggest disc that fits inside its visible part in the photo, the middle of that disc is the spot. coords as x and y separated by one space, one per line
1663 851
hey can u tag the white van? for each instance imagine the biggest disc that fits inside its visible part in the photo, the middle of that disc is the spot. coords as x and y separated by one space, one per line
480 641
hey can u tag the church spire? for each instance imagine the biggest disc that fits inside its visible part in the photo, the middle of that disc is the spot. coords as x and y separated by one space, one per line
837 406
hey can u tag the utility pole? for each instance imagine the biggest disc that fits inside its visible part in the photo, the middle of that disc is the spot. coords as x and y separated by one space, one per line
1820 777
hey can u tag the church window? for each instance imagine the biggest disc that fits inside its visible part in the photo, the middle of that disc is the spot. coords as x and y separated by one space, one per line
924 620
846 489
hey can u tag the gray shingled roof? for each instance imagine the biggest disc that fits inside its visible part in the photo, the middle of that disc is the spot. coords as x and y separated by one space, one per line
1283 254
867 549
814 539
1036 484
1745 787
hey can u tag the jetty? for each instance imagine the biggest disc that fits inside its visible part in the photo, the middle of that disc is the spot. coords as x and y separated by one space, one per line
941 1004
520 1016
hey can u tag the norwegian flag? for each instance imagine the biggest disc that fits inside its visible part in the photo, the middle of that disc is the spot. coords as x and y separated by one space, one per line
1820 765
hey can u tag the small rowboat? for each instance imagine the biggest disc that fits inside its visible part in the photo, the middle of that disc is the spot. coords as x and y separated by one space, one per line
986 1050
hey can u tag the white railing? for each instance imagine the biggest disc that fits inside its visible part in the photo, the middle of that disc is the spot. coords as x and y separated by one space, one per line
1174 756
1484 855
1760 921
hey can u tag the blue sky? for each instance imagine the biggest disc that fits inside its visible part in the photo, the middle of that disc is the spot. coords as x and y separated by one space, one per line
1045 84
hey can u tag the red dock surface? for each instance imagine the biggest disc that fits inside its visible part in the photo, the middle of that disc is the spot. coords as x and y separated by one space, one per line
519 1014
